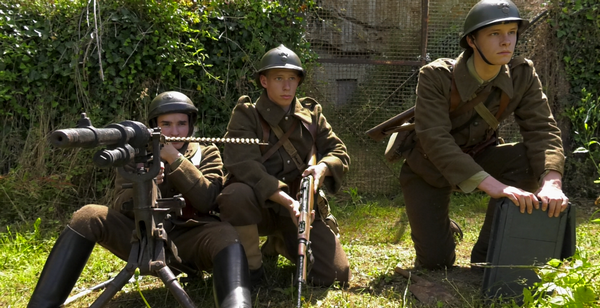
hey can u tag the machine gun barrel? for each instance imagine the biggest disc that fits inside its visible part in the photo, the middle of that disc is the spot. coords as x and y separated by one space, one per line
86 137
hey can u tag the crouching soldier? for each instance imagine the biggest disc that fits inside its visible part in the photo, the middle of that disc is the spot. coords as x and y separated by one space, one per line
203 242
259 198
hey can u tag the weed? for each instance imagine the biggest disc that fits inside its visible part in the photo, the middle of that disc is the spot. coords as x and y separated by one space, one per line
568 283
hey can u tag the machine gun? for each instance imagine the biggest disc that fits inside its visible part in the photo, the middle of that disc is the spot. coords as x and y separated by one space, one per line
130 141
306 201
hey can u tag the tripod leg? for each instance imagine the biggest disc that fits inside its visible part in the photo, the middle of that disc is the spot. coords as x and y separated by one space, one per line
170 281
114 286
121 279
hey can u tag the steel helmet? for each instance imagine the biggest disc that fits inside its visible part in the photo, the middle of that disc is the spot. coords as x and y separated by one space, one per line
280 57
172 102
488 12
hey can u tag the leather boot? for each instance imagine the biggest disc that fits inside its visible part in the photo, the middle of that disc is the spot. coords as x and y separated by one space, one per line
456 231
231 278
250 241
62 269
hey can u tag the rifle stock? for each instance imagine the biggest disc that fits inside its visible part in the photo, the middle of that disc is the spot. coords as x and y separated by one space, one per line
306 200
392 125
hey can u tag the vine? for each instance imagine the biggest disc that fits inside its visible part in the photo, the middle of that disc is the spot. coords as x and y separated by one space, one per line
577 28
109 59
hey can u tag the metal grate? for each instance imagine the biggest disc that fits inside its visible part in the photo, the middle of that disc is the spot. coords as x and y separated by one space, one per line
369 54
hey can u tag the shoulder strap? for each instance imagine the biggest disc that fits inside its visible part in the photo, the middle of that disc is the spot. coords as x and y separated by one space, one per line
504 100
455 98
454 95
244 99
482 96
266 130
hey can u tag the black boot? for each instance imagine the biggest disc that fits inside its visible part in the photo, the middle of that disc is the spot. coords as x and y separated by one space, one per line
62 269
231 278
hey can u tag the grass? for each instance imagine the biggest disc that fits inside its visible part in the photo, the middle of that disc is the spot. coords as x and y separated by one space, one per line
375 235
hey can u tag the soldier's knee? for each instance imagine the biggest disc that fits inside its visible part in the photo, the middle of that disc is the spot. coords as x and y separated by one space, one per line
238 204
85 220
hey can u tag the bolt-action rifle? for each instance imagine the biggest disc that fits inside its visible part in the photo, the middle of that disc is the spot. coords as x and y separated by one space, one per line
132 142
306 201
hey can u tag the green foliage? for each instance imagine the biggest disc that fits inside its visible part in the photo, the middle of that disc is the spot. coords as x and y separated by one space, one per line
569 283
110 58
577 27
585 119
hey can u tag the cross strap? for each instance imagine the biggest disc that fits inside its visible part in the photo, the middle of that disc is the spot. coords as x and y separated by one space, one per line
285 142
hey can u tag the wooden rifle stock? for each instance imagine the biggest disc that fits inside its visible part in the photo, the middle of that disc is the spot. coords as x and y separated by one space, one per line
306 200
392 125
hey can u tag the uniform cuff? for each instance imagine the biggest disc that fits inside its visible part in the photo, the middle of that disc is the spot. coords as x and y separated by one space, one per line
471 183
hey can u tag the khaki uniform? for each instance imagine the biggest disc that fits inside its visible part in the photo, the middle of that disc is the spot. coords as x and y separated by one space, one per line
198 235
244 201
438 164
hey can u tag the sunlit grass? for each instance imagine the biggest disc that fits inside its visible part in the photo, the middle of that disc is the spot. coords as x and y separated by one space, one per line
375 235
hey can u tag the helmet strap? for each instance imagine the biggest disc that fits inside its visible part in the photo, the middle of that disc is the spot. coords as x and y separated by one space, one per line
481 53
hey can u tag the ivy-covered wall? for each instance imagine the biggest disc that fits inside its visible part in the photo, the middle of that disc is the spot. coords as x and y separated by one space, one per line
109 59
576 27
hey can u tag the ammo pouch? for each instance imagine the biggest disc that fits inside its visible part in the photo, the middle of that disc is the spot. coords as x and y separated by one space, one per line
398 143
325 213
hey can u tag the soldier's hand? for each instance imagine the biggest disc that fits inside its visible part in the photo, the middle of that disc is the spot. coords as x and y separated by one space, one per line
294 211
319 172
288 202
169 153
525 200
553 198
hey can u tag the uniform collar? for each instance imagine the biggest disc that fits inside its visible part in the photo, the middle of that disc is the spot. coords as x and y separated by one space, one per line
468 85
273 114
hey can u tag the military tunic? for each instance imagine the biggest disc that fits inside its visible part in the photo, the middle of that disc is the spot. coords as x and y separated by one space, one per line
244 201
198 235
438 164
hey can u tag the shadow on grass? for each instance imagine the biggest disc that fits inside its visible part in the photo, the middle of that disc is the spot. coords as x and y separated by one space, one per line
460 283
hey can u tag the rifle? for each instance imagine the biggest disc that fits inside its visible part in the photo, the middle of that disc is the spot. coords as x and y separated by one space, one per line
306 200
130 141
392 125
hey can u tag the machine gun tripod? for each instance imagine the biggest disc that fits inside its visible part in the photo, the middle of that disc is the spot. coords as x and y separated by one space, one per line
132 142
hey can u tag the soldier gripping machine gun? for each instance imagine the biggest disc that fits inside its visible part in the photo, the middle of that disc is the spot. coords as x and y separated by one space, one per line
130 141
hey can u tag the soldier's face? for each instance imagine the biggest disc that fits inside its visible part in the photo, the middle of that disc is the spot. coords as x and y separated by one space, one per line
174 125
281 85
496 42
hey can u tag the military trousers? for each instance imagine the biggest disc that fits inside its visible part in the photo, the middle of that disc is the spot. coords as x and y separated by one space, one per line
238 205
427 206
197 242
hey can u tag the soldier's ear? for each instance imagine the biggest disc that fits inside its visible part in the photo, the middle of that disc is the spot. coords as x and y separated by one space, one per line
471 40
263 80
